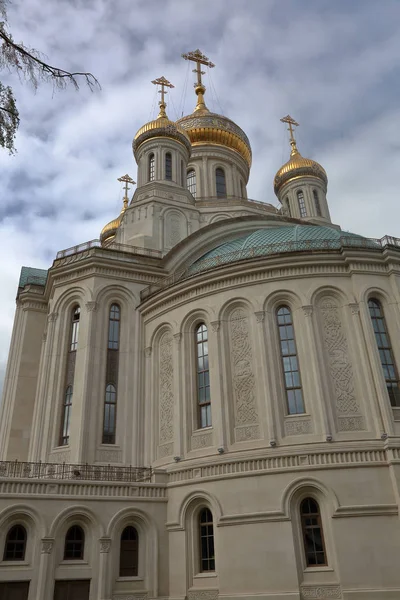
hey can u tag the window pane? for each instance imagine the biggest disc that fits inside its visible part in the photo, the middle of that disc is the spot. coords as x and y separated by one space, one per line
168 167
14 548
314 548
151 167
191 182
74 543
290 365
317 204
302 205
220 183
206 535
203 376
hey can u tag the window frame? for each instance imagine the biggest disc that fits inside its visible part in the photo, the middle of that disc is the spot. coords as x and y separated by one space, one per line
304 527
168 166
151 167
109 437
289 355
76 527
66 416
74 331
220 192
202 375
317 203
113 344
135 567
202 528
301 201
15 542
191 186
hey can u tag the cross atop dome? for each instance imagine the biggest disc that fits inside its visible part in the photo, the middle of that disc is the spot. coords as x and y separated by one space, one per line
291 122
163 83
200 59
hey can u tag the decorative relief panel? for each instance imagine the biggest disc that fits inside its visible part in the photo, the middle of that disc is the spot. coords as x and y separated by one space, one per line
166 391
298 426
165 450
202 594
59 457
321 592
341 369
130 596
174 230
202 441
243 379
109 456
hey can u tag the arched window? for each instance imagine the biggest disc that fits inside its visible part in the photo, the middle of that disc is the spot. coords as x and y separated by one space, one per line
302 205
168 166
15 545
242 189
75 328
290 363
66 416
191 182
113 327
74 543
129 555
110 405
206 536
385 351
152 161
313 537
317 204
203 376
289 212
220 183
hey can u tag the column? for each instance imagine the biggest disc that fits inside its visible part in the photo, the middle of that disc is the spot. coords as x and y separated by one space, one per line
103 593
45 579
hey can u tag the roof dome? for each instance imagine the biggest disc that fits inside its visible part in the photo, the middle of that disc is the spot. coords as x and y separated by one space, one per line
205 127
298 166
161 127
108 232
274 240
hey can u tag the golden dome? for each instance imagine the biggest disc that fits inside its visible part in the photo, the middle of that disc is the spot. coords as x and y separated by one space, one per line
161 127
298 166
109 231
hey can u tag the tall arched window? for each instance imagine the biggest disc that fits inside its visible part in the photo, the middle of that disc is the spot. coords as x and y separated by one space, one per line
129 552
113 327
74 543
152 161
313 537
206 537
110 405
290 363
302 204
168 166
191 182
317 204
75 328
15 546
203 376
385 351
220 183
66 416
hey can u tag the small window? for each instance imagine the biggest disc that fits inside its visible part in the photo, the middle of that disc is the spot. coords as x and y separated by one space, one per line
207 555
182 174
290 363
128 557
75 328
385 351
168 166
313 537
191 182
151 167
15 545
110 405
113 327
242 189
66 416
203 376
302 205
289 212
74 543
317 204
220 183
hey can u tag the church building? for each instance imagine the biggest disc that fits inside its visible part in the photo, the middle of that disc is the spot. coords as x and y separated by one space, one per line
204 403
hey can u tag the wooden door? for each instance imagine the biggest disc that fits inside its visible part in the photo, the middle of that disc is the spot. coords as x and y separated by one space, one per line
14 590
73 589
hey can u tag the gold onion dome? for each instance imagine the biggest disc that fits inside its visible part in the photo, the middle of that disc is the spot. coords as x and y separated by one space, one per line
109 231
205 127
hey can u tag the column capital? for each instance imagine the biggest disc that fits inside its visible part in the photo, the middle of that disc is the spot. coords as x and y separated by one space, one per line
52 317
105 544
354 307
260 316
47 545
177 337
307 310
148 351
91 306
215 325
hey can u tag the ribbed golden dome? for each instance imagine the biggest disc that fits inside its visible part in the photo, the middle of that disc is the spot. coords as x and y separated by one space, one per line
298 166
161 127
109 231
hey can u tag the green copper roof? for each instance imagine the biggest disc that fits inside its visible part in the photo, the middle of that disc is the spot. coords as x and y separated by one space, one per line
273 240
31 275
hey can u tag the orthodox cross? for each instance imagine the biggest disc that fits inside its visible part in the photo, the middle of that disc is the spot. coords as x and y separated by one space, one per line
163 83
126 179
291 122
200 59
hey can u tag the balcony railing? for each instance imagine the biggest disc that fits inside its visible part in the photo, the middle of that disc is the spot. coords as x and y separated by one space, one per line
114 246
85 472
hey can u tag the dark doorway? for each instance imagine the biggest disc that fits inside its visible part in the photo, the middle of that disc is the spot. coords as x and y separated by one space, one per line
14 590
72 589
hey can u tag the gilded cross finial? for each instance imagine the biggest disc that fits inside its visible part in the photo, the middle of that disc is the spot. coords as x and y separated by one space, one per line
161 81
126 179
200 59
292 123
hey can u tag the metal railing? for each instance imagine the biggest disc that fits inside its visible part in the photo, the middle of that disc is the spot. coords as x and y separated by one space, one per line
213 200
268 250
84 472
113 246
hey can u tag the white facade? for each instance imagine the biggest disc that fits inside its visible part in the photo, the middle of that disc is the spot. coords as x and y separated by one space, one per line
258 459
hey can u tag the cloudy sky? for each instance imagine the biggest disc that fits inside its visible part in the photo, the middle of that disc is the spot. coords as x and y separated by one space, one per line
334 66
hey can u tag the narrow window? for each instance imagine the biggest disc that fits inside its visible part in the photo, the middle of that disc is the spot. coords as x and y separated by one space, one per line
206 534
15 545
313 537
110 404
74 543
66 416
203 376
191 182
113 327
220 183
151 167
289 212
385 351
290 364
128 556
168 166
182 174
75 328
302 206
317 204
242 189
